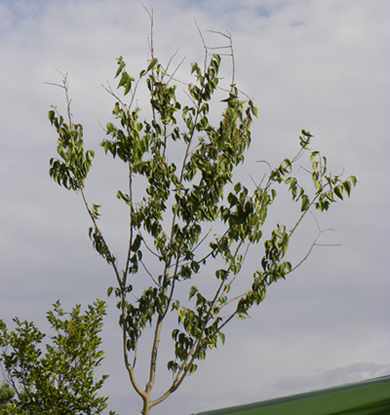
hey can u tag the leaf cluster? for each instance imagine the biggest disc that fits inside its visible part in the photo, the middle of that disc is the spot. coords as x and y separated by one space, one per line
71 169
56 377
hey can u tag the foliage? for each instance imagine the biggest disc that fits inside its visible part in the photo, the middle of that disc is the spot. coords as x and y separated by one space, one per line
6 395
61 380
192 217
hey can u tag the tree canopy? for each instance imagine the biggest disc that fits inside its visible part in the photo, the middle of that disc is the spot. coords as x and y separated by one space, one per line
188 217
59 377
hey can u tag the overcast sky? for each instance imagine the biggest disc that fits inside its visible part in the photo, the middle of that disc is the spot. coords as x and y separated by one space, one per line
321 65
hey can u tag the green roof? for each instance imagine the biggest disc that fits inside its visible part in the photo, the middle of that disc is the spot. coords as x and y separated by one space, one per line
368 397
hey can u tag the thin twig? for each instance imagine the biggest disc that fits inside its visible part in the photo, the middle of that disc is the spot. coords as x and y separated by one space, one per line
267 163
148 272
203 239
147 246
170 60
176 69
204 46
151 47
228 36
311 248
64 86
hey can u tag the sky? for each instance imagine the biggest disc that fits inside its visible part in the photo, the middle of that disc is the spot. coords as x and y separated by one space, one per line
321 65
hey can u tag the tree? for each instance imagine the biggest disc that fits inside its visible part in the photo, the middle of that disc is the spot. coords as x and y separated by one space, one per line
6 395
62 380
192 218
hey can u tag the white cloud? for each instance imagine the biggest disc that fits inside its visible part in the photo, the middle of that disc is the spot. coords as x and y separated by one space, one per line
322 379
318 65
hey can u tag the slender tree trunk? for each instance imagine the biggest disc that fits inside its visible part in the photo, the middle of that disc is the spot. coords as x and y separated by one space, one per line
146 406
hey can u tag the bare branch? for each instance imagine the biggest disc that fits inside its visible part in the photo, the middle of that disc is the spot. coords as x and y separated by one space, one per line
135 351
307 254
147 246
228 36
320 232
151 47
174 72
305 169
267 163
64 86
150 275
130 371
202 240
204 45
170 60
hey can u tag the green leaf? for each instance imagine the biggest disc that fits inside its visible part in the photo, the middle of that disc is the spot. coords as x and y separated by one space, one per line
339 191
123 197
347 187
192 292
254 109
121 64
152 64
222 337
305 203
136 244
313 155
126 81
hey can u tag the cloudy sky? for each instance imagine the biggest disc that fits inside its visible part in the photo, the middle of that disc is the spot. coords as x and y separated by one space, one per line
321 65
